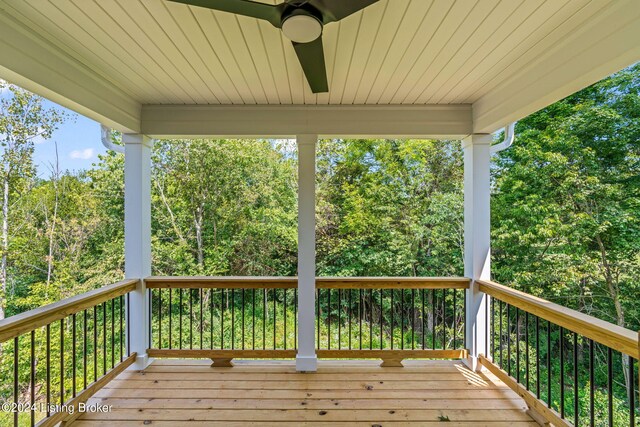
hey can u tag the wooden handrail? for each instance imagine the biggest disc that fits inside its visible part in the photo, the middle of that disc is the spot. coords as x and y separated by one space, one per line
14 326
613 336
224 282
252 282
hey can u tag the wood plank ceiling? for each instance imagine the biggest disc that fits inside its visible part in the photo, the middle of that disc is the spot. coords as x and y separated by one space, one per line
394 52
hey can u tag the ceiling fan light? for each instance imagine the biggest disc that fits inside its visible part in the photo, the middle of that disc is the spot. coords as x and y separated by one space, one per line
302 28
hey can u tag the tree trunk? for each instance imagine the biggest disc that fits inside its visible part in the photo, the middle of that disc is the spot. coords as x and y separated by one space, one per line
612 287
5 246
52 230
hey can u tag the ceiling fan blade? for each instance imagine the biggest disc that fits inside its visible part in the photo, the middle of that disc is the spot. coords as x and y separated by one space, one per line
311 57
254 9
335 10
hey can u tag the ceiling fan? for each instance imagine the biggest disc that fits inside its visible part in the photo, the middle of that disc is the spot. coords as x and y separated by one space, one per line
301 21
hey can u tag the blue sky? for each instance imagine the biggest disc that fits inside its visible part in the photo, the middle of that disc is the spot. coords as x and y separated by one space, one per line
78 141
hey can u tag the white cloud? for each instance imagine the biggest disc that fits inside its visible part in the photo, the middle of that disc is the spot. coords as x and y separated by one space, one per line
85 154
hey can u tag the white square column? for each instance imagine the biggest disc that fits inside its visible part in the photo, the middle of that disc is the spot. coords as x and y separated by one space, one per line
306 359
137 240
477 248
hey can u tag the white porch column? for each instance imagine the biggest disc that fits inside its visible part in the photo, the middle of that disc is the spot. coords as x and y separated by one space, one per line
477 249
306 360
137 239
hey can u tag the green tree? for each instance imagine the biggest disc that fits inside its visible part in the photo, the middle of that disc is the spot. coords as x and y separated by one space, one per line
23 119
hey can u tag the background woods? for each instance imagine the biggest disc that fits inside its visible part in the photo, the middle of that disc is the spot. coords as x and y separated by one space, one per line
565 210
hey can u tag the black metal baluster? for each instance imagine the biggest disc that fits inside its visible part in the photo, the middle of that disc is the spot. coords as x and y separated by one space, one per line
444 320
264 318
381 331
361 315
509 338
518 344
501 333
200 294
84 349
95 338
190 318
370 319
73 355
592 385
455 323
576 402
295 322
61 361
493 329
526 347
211 343
233 319
350 291
170 316
329 320
632 393
487 301
113 334
401 319
104 338
423 316
413 318
121 307
464 311
610 384
433 315
223 293
253 318
275 298
549 364
561 372
180 311
128 326
48 373
149 317
160 318
318 317
339 319
16 378
32 377
392 310
537 357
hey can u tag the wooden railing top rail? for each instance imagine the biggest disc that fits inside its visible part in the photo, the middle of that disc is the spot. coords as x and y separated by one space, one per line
17 325
249 282
613 336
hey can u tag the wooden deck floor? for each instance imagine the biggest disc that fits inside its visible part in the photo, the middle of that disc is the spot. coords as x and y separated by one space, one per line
354 393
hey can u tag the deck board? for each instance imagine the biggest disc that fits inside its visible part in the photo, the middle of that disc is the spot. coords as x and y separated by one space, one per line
341 393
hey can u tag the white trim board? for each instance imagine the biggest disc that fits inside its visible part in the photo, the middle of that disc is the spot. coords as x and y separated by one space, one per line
281 121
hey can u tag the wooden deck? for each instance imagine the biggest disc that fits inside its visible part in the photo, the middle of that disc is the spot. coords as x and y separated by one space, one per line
341 393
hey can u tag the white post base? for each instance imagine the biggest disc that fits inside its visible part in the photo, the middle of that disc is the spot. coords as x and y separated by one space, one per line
142 361
306 363
473 363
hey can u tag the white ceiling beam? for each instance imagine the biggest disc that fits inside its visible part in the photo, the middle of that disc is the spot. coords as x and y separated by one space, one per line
32 62
608 43
283 121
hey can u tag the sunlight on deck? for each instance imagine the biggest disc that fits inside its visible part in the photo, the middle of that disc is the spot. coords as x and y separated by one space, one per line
190 392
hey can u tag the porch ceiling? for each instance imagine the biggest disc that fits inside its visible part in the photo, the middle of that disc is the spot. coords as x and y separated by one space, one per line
505 58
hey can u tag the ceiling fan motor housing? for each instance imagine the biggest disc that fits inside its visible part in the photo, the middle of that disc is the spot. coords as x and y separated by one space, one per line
301 24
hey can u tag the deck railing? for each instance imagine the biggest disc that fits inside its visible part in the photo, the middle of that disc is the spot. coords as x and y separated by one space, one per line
255 317
62 354
571 368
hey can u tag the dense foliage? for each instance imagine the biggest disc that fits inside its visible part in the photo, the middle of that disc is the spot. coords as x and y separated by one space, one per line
565 208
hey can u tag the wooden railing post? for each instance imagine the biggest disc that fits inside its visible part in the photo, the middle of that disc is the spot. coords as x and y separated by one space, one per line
137 240
477 253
